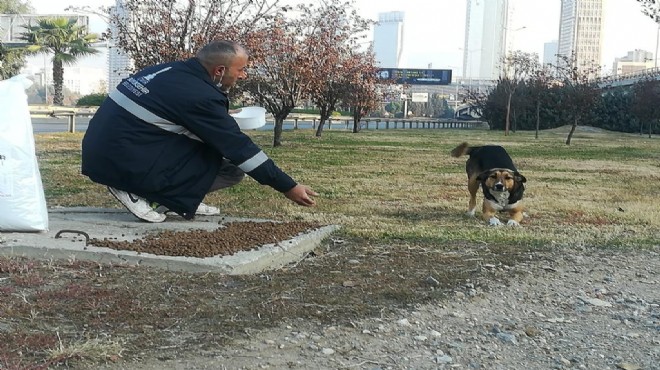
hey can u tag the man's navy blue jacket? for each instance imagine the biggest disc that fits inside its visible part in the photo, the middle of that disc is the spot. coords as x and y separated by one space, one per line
162 135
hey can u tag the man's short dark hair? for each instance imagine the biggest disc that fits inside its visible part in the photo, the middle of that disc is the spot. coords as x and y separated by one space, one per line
219 52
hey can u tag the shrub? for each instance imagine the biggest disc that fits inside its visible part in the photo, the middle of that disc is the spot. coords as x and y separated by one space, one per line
91 100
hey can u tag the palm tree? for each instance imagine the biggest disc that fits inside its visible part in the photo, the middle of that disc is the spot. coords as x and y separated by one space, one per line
65 39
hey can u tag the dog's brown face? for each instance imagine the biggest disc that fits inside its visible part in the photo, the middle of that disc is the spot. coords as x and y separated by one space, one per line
501 180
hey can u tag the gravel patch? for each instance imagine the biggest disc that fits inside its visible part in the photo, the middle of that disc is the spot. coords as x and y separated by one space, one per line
588 309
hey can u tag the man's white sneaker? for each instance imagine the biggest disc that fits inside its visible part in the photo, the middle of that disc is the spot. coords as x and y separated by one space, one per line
137 206
206 210
202 210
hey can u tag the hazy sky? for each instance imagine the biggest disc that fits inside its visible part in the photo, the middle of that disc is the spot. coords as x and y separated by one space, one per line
434 30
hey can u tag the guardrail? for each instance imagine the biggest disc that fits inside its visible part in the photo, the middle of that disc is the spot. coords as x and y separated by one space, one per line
70 114
395 123
366 123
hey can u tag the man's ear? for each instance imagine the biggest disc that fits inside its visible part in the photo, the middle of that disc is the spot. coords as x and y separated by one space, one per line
220 71
519 177
483 176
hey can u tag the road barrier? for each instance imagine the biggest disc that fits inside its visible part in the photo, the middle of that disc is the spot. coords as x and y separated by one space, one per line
366 123
396 123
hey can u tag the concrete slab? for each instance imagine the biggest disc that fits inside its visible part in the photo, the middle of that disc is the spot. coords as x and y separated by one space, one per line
71 227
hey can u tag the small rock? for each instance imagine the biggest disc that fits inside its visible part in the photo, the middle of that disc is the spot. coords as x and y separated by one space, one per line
595 302
444 359
564 361
328 351
628 366
432 281
506 337
532 331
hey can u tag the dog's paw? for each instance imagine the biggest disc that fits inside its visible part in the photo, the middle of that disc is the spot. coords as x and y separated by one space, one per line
494 221
513 223
470 213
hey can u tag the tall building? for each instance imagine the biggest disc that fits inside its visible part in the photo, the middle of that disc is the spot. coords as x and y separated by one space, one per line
120 65
485 45
635 61
388 39
580 30
550 52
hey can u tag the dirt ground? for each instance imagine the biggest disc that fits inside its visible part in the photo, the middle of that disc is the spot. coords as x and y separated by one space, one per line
349 304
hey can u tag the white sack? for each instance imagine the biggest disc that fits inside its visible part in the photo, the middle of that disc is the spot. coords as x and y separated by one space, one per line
22 200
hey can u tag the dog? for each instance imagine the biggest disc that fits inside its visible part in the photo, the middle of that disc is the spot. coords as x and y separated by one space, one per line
491 167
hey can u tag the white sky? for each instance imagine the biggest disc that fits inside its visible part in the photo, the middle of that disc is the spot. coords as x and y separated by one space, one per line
434 30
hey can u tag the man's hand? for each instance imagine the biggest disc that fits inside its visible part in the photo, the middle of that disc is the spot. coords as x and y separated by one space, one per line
300 194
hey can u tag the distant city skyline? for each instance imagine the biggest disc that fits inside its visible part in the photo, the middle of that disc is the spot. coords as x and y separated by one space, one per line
435 29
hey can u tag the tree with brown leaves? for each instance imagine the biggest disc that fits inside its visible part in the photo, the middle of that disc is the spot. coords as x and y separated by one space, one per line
364 91
336 30
159 31
280 76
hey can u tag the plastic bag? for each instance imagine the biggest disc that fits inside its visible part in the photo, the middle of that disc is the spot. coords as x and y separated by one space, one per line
22 200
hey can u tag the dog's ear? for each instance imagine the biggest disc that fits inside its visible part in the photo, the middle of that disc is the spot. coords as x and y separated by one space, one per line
483 176
519 177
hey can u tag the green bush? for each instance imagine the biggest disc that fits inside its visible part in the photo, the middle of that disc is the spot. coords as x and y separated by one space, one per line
91 100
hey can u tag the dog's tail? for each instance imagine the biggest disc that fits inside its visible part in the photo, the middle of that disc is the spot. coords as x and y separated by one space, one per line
460 150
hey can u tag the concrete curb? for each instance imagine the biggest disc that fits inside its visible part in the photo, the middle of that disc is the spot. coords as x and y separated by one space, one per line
70 228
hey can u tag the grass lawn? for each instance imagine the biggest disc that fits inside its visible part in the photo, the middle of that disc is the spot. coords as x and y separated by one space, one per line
402 185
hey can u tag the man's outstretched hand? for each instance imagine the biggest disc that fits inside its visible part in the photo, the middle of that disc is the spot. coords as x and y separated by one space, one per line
301 195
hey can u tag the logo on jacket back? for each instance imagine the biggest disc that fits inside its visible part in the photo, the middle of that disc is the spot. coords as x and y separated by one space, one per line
138 85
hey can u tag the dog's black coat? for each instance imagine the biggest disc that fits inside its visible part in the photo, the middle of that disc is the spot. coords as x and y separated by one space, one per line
488 157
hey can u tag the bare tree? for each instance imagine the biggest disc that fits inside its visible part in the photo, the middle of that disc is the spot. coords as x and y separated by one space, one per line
518 66
579 92
538 84
651 8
